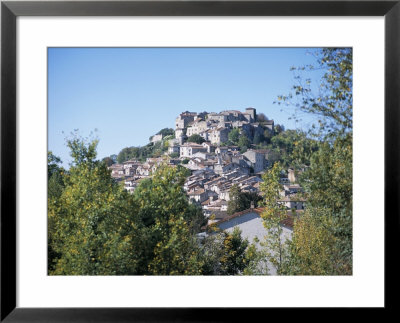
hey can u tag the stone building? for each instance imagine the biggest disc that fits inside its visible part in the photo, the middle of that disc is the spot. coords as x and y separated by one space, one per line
257 160
197 128
184 119
252 113
219 136
188 149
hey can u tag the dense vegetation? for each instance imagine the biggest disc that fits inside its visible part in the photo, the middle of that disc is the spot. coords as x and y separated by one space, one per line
196 139
98 228
240 201
322 238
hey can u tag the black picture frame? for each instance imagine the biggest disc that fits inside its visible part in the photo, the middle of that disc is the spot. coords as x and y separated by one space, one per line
10 10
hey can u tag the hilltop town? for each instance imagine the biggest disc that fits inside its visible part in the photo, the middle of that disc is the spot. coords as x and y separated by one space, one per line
214 165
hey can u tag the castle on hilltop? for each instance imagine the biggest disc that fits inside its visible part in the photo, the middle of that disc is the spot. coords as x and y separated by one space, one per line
215 127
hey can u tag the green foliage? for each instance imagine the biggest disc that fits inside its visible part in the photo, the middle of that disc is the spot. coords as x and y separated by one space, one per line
257 259
234 259
234 135
169 223
166 132
328 182
108 161
240 201
268 134
141 153
53 163
257 139
196 138
97 228
88 221
174 155
313 247
328 179
279 128
212 250
55 185
276 248
185 161
332 102
244 143
55 173
225 253
294 148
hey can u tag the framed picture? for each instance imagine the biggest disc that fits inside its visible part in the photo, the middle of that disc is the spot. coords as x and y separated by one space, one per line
165 24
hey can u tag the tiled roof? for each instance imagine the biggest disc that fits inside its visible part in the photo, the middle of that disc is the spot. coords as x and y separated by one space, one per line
197 192
235 215
288 221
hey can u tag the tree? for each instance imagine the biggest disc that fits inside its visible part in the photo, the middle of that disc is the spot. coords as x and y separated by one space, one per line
166 132
55 173
196 138
257 139
55 188
313 245
276 247
233 136
244 143
328 182
174 155
332 103
294 147
108 161
225 253
279 128
90 227
53 164
268 135
169 224
127 154
328 179
234 259
240 201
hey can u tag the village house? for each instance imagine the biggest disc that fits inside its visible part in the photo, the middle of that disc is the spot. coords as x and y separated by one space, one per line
184 119
130 163
221 150
197 127
209 146
293 202
173 149
219 135
256 159
198 196
269 124
188 149
143 170
117 170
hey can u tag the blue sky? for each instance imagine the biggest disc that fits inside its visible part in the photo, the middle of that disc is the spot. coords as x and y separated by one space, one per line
129 94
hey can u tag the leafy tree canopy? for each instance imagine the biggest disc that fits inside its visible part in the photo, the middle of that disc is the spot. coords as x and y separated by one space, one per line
166 132
196 139
240 201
